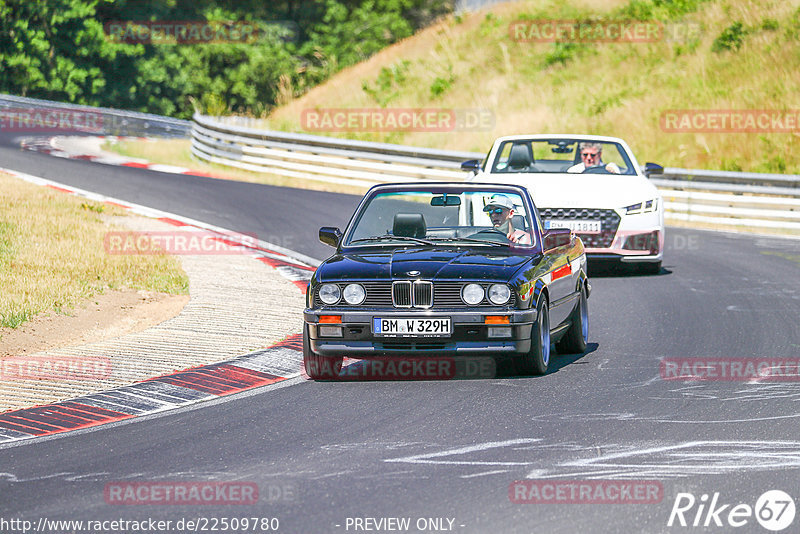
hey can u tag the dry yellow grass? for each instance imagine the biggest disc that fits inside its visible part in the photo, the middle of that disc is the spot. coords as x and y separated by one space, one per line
52 254
618 89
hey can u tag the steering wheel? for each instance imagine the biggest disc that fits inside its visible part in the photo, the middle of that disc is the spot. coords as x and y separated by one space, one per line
490 234
597 169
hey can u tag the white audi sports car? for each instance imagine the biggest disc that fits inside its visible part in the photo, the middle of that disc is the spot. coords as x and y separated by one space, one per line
588 183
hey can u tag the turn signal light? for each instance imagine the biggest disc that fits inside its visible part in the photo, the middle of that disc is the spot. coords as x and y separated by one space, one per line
497 319
330 319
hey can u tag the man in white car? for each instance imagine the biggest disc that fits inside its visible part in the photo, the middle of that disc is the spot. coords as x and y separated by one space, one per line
592 156
501 210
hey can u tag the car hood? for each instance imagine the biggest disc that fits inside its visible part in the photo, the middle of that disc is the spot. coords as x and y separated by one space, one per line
580 190
432 263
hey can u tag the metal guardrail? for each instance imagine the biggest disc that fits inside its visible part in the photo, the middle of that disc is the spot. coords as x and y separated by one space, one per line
769 201
114 121
766 201
791 181
228 141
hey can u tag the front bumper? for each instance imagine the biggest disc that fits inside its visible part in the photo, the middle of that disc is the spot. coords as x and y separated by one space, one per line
640 245
636 237
470 334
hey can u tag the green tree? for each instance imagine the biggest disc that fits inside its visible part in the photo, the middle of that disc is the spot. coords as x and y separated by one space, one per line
244 76
347 35
56 49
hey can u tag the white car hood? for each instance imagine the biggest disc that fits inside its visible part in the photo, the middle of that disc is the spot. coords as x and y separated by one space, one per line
579 190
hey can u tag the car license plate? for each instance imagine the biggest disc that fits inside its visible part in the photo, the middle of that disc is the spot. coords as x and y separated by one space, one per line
416 327
588 227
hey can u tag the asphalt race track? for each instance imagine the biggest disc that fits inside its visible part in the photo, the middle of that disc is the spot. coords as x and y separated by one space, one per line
445 453
287 217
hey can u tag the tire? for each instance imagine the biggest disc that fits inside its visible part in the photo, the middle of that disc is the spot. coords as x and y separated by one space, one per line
574 341
535 361
319 367
649 268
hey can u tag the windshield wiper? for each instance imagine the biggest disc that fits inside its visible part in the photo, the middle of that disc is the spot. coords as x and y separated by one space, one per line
471 240
395 237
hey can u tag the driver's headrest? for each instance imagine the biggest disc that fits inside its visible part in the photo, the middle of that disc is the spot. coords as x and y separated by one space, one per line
409 225
520 156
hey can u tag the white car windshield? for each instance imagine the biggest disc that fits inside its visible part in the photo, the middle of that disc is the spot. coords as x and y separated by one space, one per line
561 156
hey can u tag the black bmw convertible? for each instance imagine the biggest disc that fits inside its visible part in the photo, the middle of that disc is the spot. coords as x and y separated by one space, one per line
452 270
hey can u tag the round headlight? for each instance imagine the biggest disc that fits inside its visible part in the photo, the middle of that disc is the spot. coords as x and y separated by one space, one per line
499 293
329 293
472 294
354 294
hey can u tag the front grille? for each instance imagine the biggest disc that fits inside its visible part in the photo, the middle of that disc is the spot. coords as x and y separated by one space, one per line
426 295
401 294
416 294
609 223
423 294
378 293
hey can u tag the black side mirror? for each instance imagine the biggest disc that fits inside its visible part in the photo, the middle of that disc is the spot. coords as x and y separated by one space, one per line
652 168
557 237
330 235
472 165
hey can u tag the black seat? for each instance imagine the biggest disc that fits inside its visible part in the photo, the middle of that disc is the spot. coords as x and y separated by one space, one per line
520 158
409 225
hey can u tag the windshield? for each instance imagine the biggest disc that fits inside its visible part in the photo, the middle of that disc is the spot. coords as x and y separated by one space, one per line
560 156
479 218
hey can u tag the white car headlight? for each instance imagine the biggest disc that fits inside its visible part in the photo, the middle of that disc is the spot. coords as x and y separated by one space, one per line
633 208
642 207
354 294
472 294
330 293
499 294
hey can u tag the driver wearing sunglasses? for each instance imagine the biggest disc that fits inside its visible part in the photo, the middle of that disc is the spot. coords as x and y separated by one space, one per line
501 210
592 156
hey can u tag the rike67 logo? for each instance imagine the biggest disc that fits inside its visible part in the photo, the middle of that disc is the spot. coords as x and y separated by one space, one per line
774 510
